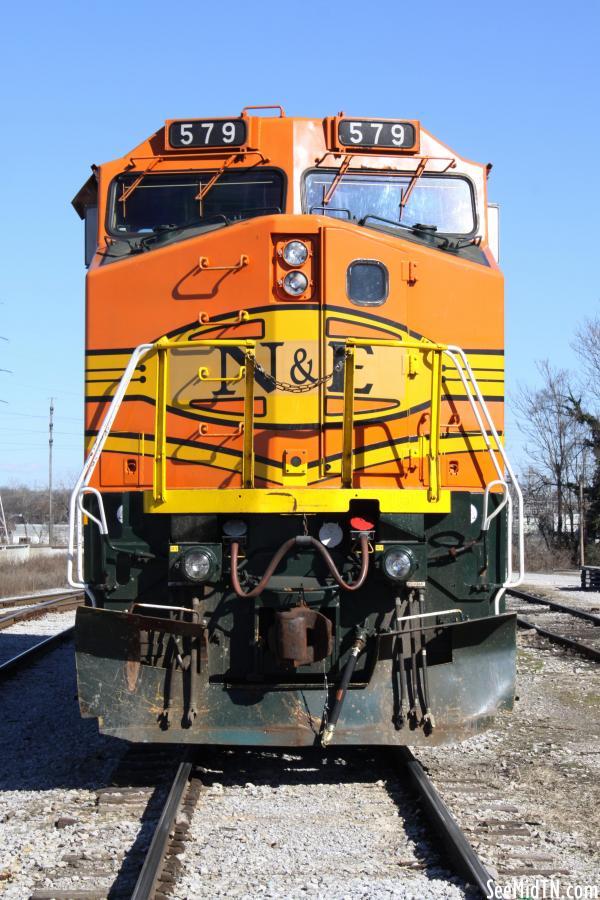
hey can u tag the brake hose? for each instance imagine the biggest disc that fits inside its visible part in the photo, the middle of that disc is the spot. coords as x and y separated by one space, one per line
300 540
340 695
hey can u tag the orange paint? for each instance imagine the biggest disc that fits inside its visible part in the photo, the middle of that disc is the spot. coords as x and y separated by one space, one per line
198 285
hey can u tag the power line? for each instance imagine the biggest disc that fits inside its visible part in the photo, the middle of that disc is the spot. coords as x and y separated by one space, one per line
42 390
39 416
35 451
37 431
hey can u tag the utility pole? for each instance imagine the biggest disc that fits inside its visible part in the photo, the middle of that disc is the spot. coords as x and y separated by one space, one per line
581 528
3 521
50 443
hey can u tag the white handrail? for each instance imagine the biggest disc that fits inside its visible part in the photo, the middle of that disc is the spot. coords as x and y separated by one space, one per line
487 519
101 522
453 352
475 394
76 511
80 513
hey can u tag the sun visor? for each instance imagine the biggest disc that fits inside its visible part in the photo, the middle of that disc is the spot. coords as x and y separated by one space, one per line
87 195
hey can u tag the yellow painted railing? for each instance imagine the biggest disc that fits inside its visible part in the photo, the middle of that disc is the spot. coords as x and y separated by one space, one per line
246 375
248 499
433 455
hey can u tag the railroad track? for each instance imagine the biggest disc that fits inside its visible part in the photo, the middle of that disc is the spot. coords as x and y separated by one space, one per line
38 597
173 836
182 789
34 605
26 657
169 847
570 627
132 804
166 855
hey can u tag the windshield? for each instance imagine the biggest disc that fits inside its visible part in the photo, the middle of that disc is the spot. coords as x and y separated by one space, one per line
171 201
443 201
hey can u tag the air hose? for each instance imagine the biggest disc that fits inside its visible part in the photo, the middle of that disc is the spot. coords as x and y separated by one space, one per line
340 695
301 540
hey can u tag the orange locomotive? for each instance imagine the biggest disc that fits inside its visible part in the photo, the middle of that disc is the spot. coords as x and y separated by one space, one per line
294 507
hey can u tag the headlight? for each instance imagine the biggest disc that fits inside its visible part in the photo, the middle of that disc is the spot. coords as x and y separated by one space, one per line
197 564
295 283
398 564
295 253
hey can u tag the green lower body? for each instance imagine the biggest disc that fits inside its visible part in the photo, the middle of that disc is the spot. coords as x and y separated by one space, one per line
217 675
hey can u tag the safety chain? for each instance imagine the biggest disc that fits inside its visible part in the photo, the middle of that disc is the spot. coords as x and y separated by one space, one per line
299 388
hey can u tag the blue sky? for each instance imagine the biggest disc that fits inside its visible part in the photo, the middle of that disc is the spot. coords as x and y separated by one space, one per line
513 83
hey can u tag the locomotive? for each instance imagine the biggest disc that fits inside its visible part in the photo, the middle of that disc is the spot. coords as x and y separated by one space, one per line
296 519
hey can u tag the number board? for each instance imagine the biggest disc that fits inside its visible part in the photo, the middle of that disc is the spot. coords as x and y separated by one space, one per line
185 133
390 134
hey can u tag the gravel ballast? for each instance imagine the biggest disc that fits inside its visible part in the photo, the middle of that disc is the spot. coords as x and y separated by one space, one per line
52 762
542 762
339 825
23 635
325 825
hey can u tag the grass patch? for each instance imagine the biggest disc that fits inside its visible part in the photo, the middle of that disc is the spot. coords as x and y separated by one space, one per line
38 573
541 558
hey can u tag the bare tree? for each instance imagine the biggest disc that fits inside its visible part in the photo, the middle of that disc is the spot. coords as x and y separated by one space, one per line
555 439
587 348
28 505
585 409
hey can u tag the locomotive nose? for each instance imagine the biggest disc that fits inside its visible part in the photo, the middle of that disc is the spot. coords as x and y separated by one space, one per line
295 521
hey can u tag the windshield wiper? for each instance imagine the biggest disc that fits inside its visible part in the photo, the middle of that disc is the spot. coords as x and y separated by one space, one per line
366 218
262 210
467 242
205 188
239 155
405 195
425 232
161 230
332 209
338 177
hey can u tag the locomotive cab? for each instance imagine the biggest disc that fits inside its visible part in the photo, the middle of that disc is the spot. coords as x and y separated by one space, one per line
294 523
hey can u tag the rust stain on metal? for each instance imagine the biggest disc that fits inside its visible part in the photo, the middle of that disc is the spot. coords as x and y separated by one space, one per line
132 671
288 496
303 717
132 663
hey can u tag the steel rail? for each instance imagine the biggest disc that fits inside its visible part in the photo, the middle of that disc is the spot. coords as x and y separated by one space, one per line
555 637
553 604
22 660
20 615
38 597
462 855
150 872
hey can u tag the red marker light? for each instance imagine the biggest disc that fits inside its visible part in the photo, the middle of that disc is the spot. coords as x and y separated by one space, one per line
359 524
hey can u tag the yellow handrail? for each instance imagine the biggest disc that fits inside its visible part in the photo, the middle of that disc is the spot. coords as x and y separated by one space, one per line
160 443
247 374
248 446
433 454
162 346
348 421
433 492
